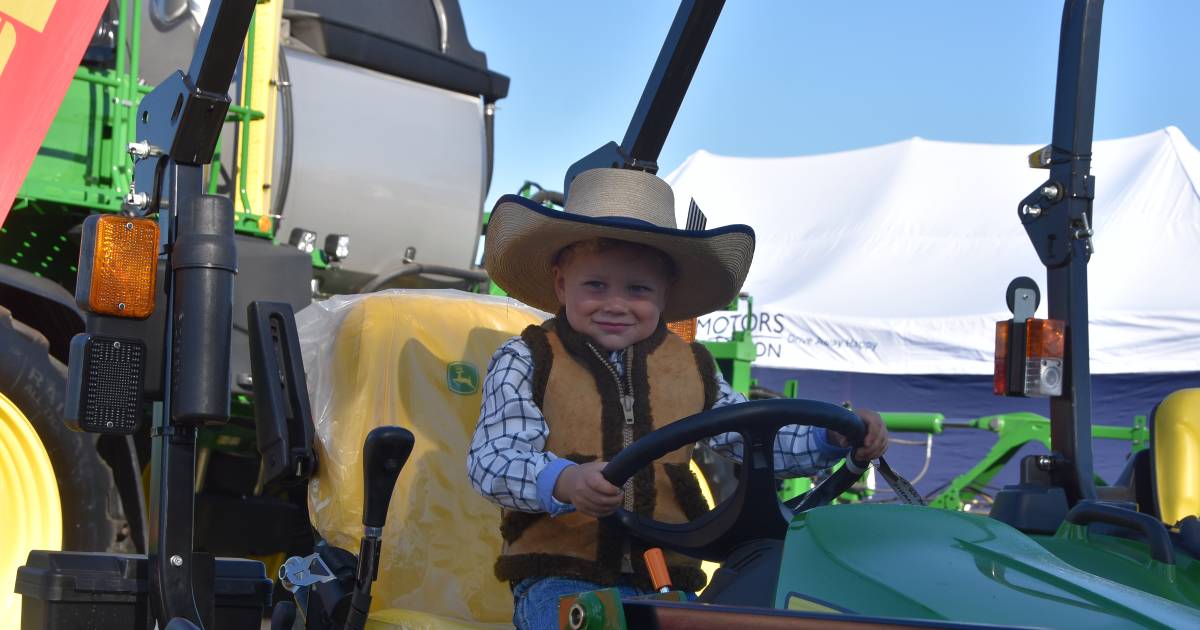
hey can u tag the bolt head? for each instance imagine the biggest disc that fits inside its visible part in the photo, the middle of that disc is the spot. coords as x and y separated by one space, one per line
137 199
576 617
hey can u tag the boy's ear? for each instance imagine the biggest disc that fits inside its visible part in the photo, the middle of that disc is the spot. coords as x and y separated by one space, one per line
560 285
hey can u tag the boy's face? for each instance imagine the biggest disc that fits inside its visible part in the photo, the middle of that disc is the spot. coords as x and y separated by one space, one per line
615 297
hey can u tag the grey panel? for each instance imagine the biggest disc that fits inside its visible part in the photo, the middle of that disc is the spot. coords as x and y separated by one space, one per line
391 162
275 273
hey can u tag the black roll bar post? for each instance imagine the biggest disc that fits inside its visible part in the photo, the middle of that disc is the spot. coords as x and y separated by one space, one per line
177 129
1058 219
664 92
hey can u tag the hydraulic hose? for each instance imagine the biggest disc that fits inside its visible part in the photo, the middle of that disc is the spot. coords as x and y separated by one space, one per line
289 137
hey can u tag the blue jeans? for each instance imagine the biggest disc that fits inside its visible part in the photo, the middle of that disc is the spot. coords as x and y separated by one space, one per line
536 599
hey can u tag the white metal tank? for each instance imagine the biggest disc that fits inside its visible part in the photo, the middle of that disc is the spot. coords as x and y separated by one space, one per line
391 145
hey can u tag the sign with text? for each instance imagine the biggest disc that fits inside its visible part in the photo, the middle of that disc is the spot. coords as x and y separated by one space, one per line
809 341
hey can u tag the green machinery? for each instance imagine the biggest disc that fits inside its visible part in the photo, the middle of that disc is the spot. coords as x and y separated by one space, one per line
1013 431
86 166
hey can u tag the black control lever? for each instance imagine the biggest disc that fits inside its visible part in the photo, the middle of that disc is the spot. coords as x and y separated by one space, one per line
832 487
384 454
283 420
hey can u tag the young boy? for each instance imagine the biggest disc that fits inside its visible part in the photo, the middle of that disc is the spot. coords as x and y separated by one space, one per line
563 398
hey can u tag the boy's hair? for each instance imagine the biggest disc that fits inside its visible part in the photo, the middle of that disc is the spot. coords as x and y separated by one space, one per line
605 245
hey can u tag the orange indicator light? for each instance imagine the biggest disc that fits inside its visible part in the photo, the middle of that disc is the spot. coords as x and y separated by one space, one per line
1000 375
1044 338
1039 369
118 267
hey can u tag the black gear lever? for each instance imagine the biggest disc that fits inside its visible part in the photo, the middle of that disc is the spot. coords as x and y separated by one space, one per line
384 453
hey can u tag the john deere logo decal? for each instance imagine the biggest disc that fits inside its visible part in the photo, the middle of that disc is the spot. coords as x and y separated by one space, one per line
462 378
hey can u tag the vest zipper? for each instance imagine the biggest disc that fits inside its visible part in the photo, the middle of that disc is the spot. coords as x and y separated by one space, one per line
625 390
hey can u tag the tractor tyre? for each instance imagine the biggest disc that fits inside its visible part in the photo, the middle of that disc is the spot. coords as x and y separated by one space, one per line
36 383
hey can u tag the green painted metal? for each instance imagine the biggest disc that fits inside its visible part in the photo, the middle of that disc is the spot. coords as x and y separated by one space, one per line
236 437
34 238
320 260
74 165
244 135
594 610
1015 430
903 421
735 356
794 487
214 182
602 609
922 563
83 164
913 422
1127 562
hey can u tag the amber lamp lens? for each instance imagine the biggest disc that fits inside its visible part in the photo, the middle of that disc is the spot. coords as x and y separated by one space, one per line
1044 338
1000 374
124 267
685 328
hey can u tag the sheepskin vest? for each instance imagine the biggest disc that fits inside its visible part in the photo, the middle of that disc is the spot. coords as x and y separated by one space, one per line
581 399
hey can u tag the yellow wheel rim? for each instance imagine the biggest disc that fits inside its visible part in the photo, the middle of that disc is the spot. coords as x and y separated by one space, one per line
28 501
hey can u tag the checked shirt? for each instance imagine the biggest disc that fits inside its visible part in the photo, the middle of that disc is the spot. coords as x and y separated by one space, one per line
508 462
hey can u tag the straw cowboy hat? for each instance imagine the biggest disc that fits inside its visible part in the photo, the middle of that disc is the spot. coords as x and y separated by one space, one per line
523 239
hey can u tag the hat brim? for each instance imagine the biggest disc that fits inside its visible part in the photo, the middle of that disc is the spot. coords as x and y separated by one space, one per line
523 238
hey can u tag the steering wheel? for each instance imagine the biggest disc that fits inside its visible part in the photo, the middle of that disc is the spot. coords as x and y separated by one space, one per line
754 511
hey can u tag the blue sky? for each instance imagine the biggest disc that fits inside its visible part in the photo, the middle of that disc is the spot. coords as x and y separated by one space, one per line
803 77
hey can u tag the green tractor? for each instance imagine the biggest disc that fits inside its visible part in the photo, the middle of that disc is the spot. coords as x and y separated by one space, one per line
289 148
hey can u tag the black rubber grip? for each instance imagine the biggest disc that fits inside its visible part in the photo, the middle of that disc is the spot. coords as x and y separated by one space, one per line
1155 532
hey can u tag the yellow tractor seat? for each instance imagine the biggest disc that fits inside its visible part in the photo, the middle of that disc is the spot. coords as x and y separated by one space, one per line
414 359
1175 452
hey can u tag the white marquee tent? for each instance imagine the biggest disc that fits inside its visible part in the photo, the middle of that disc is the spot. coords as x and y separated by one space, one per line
894 259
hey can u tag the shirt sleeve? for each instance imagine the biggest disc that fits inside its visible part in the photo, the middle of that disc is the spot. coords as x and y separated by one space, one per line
799 450
507 456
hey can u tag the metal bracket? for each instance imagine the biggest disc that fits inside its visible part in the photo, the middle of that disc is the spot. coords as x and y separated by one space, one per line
1025 301
1053 216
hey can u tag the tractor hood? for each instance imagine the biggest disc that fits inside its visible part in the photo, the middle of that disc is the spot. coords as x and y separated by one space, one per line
925 563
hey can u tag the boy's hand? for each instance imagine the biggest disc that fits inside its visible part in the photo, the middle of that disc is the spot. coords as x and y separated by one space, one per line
584 487
876 442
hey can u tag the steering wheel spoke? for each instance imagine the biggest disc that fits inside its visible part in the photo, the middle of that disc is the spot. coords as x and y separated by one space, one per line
753 511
